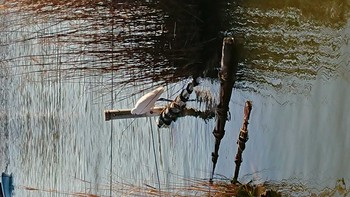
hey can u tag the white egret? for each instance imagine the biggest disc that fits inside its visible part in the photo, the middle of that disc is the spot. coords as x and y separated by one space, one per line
147 101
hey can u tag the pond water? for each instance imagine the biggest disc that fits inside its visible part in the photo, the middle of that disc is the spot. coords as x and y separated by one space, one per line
295 70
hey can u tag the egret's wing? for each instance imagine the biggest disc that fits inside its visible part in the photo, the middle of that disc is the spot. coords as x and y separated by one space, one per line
146 102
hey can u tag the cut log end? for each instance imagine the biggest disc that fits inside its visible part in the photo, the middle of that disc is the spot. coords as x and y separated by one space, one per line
229 40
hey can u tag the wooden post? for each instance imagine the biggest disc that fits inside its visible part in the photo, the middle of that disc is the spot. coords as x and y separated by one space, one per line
242 139
227 76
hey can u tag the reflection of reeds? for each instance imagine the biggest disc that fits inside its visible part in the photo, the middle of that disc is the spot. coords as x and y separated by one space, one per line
122 42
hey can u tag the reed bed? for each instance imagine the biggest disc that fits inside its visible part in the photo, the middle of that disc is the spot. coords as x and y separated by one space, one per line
201 187
193 187
224 188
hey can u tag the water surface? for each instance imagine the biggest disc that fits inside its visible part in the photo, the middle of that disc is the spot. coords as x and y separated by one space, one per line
295 69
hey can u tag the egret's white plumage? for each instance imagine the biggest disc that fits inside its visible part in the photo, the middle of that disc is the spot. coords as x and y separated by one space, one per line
146 102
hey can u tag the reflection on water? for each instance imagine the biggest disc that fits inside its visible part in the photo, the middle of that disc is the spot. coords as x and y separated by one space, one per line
286 48
63 63
296 58
166 41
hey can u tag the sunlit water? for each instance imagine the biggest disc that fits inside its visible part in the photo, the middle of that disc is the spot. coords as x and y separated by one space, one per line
296 72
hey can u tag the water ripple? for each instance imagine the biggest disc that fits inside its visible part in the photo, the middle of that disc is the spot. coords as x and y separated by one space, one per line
282 44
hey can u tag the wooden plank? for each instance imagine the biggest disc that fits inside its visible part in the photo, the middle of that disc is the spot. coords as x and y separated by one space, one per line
126 113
